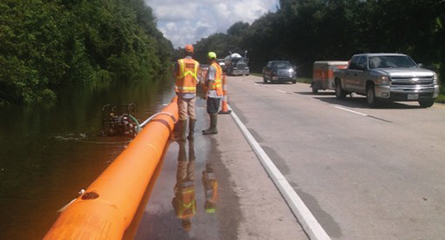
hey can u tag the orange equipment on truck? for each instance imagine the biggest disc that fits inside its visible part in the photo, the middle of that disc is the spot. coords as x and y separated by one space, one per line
323 74
107 207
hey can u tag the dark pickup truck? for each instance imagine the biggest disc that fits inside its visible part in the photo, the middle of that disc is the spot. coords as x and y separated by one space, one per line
279 71
386 77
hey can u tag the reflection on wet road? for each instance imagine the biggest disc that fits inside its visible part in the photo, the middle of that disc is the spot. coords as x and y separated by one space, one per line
184 200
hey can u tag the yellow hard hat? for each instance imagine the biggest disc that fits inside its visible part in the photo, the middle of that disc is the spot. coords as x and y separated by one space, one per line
212 55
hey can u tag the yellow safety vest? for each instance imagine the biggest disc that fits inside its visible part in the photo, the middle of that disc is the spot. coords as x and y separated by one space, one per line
217 84
187 76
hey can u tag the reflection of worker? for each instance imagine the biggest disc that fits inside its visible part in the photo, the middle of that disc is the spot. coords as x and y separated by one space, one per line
186 73
184 202
214 85
210 188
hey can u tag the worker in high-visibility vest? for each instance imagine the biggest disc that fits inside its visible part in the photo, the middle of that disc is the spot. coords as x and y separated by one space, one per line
186 73
213 82
184 202
210 188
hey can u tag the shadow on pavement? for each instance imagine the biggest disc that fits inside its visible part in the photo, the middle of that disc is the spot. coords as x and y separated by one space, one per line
274 83
357 101
318 94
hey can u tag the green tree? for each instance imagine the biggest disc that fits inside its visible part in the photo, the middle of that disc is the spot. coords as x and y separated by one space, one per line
47 44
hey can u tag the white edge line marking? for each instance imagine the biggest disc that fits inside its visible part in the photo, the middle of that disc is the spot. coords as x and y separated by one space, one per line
281 91
349 110
310 225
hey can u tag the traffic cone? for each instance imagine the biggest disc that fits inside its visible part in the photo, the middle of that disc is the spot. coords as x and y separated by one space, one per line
224 107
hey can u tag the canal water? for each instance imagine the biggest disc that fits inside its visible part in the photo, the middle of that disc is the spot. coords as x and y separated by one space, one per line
48 153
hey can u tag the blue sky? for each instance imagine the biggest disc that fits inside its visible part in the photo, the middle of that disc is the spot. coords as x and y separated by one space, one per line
188 21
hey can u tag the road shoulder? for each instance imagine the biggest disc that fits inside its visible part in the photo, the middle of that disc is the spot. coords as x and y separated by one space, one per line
264 213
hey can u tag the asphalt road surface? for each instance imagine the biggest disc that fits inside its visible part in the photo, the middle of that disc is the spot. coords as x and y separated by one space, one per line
247 203
363 173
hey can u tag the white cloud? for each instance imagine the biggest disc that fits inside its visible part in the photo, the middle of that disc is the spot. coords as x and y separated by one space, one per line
185 22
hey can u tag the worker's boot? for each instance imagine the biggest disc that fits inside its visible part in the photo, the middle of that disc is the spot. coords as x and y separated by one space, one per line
192 124
179 132
212 129
192 155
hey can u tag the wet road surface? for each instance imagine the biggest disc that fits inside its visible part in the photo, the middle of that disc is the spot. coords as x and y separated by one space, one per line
214 188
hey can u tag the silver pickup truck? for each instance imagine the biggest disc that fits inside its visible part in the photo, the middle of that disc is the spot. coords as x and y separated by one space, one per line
386 76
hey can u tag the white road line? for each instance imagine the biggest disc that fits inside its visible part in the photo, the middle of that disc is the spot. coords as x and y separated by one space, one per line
362 114
281 91
307 220
352 111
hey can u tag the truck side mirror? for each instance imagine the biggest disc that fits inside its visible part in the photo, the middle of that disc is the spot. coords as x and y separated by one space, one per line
420 65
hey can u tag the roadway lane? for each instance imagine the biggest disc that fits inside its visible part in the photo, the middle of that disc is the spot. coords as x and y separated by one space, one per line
364 173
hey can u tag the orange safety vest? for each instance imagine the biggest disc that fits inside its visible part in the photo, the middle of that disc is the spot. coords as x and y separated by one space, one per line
186 202
187 76
217 84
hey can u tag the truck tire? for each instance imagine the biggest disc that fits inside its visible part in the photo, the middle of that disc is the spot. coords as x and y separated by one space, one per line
314 90
371 100
426 103
264 80
339 92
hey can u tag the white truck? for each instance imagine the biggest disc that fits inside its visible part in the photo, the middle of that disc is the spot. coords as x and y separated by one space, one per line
235 64
386 77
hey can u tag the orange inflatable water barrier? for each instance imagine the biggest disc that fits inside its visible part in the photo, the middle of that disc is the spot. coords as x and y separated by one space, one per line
108 205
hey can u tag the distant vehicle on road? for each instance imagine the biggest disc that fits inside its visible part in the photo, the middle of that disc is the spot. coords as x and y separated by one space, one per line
323 74
387 76
235 64
279 71
222 64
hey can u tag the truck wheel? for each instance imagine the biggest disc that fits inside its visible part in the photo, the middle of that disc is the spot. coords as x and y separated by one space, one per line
264 80
426 103
370 96
314 90
339 92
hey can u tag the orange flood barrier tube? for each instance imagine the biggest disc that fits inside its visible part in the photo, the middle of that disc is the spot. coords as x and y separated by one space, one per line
108 205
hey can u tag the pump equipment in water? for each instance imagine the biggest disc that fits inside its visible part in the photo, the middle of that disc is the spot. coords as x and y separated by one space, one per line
119 120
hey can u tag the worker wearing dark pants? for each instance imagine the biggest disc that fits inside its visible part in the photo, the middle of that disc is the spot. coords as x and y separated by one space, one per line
214 94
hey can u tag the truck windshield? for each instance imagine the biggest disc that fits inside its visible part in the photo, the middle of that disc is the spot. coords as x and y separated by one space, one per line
281 65
391 62
236 60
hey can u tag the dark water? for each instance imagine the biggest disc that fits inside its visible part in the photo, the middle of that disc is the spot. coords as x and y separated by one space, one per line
49 153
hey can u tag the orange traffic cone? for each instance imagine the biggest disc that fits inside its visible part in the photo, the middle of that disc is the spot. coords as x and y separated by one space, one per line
224 107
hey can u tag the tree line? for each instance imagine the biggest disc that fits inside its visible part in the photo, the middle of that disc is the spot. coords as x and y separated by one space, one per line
47 44
303 31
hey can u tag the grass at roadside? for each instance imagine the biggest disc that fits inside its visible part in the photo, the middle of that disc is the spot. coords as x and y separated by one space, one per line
304 80
441 98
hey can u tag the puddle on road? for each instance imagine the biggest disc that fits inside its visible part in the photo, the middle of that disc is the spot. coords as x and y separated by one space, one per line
183 203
